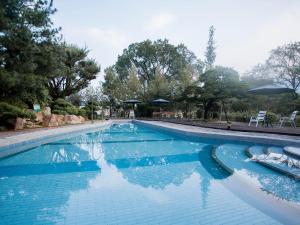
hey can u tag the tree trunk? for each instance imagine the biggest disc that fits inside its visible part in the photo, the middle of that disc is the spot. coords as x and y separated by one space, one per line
206 109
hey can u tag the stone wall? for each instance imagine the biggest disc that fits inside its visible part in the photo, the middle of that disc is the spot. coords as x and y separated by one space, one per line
47 119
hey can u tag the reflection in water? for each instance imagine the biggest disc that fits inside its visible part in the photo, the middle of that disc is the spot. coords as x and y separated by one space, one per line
50 168
214 170
61 183
49 154
39 198
35 184
160 171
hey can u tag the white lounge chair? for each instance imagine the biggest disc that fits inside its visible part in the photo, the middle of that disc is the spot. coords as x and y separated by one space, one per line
259 118
290 119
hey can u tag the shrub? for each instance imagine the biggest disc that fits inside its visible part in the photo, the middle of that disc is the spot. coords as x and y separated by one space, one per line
9 113
272 117
14 111
59 112
82 112
63 107
239 116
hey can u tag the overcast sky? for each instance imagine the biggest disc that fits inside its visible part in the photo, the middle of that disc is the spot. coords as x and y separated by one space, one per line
246 31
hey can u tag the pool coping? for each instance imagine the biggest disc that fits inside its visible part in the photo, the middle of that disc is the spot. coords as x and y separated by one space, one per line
270 139
22 142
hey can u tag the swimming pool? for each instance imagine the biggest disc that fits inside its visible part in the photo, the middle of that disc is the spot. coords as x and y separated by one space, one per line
135 174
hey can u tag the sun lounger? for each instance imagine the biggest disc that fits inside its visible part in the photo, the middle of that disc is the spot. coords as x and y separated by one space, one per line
259 118
290 119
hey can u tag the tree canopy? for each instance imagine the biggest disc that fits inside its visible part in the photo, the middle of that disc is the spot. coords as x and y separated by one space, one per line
73 73
210 49
148 57
35 66
284 62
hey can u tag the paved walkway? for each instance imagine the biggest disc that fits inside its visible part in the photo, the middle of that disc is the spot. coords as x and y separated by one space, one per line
14 137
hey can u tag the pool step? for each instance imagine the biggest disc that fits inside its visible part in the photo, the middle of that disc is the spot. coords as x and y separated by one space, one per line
235 159
255 150
260 153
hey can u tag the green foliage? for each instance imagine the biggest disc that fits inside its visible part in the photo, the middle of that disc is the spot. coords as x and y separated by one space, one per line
73 72
284 62
218 84
7 110
82 112
90 108
59 112
210 49
25 27
259 75
113 87
240 116
148 56
133 84
63 107
9 113
272 117
159 86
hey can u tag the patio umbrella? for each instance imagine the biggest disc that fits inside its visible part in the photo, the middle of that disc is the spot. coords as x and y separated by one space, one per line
270 90
160 101
132 101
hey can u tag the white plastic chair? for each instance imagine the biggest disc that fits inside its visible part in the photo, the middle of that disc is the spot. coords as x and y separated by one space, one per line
259 118
290 119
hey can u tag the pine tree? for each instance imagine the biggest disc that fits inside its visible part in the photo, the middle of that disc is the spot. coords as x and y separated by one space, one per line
210 49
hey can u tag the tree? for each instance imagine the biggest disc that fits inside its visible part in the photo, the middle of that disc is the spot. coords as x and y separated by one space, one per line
210 49
113 87
148 56
259 75
133 84
159 86
284 61
74 72
25 29
94 100
218 84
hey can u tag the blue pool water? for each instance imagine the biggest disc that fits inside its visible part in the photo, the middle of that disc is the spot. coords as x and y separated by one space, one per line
134 174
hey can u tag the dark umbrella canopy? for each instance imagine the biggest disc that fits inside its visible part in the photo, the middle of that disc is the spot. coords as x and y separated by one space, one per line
132 101
270 90
160 101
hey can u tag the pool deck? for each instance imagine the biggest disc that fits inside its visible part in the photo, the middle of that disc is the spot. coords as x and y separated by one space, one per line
235 126
266 138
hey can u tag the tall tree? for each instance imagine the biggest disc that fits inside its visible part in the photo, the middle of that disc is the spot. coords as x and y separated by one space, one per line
74 73
210 53
25 28
259 75
159 86
218 84
284 61
113 88
148 56
133 84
